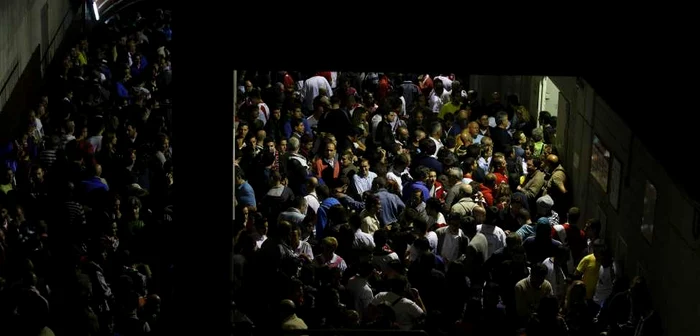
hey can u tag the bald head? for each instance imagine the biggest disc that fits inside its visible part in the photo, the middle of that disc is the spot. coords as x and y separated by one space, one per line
552 159
287 308
465 190
312 183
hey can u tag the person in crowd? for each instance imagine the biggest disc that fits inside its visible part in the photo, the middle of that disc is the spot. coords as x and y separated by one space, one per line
74 258
364 206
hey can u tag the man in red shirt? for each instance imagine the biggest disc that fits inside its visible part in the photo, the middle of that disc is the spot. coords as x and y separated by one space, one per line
571 235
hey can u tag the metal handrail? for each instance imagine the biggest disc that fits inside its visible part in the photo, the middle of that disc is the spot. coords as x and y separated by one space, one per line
53 39
9 78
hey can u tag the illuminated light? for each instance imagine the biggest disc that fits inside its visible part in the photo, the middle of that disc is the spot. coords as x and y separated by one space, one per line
95 11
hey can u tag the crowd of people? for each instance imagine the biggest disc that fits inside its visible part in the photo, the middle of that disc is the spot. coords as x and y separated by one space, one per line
86 188
408 202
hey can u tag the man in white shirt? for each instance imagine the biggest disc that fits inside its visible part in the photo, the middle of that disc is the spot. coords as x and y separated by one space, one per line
555 272
363 242
606 277
362 181
359 288
446 82
408 312
495 236
312 88
295 214
438 97
450 239
399 168
311 197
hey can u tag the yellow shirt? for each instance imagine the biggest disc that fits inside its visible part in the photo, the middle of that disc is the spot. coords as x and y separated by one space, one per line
82 58
5 188
589 267
448 108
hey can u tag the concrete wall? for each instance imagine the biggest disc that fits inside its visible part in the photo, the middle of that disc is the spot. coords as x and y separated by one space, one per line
671 261
22 29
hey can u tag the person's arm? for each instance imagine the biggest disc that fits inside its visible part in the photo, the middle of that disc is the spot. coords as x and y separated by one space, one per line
449 199
419 304
558 178
578 274
534 187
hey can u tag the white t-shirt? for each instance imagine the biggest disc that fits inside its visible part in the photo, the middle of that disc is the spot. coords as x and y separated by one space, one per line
440 220
450 246
407 311
432 240
494 235
604 288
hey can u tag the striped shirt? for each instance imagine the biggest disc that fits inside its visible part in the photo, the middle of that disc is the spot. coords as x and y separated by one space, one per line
47 157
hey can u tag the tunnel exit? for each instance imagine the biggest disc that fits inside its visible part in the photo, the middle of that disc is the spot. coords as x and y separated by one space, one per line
548 97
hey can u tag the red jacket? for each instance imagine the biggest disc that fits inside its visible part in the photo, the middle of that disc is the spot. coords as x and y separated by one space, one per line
439 192
488 194
320 165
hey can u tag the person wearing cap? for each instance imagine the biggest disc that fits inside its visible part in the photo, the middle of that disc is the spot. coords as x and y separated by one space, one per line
544 210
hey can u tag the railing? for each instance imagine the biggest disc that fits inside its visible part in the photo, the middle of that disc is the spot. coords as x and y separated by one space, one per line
9 84
48 52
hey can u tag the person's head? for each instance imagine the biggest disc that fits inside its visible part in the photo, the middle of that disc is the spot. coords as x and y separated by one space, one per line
242 129
543 230
599 249
292 144
372 203
454 175
282 145
297 125
329 245
286 308
329 152
576 293
513 239
260 224
532 165
364 167
484 121
419 118
538 273
454 222
573 216
433 207
523 217
37 174
593 228
431 178
544 205
479 214
436 129
502 119
551 162
545 118
466 190
516 203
